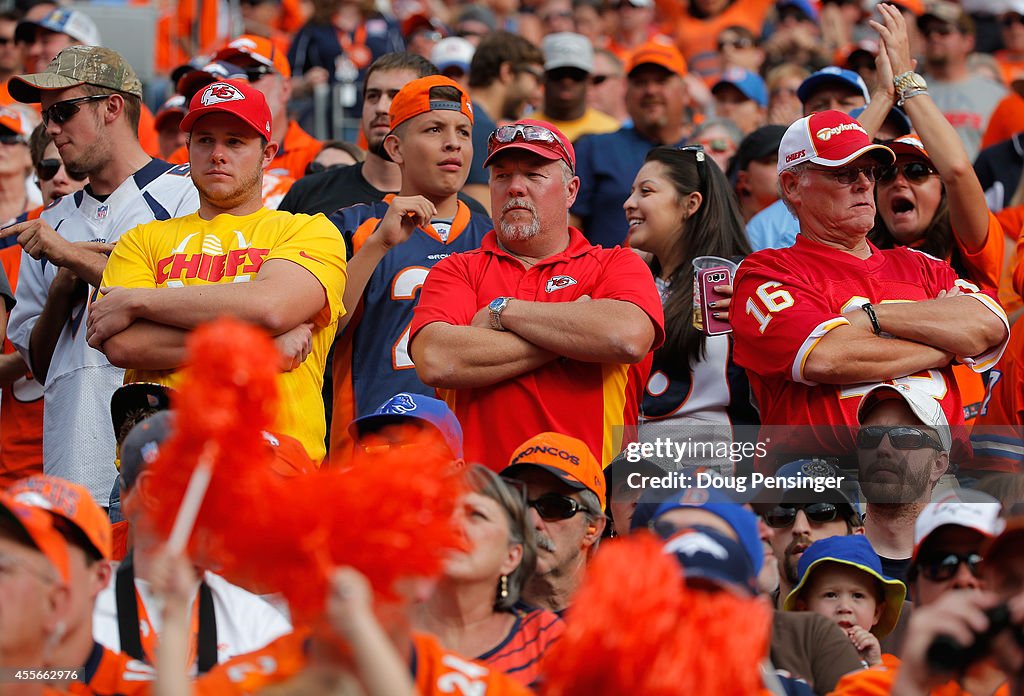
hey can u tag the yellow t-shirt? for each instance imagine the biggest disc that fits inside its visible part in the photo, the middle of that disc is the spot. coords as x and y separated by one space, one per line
189 251
592 122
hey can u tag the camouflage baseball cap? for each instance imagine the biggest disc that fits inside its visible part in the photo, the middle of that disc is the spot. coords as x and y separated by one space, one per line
78 65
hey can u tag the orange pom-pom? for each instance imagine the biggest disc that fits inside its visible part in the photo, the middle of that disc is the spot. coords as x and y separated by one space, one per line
635 627
227 397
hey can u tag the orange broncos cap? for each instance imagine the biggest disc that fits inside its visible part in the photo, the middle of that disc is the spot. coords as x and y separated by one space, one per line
566 457
69 501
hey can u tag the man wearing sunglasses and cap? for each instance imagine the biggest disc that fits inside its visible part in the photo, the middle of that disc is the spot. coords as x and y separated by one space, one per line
537 322
832 311
903 450
283 272
953 538
91 102
565 494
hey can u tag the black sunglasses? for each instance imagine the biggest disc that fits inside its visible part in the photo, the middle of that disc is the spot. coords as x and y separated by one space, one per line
552 507
61 112
6 40
254 73
12 139
698 154
740 42
941 568
783 516
914 172
48 168
901 437
1011 19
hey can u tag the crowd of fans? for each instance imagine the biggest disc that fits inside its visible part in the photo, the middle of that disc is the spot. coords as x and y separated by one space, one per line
550 346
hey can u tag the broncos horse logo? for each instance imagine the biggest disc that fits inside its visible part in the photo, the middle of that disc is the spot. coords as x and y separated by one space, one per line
400 404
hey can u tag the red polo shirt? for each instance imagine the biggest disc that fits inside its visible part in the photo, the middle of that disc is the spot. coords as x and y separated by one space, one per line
591 401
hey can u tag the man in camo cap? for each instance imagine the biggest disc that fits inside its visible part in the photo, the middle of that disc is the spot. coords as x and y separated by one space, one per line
91 100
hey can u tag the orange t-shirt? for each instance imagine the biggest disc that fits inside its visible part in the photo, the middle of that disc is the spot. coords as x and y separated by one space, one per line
879 680
695 36
1006 120
437 671
292 158
21 404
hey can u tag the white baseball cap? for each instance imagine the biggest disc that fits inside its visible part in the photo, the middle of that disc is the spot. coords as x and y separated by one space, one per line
565 49
964 507
925 408
828 138
452 52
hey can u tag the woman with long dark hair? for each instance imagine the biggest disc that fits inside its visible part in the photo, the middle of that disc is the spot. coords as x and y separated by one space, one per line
681 208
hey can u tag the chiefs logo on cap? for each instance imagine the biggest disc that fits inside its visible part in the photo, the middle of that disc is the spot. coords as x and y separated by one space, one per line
220 92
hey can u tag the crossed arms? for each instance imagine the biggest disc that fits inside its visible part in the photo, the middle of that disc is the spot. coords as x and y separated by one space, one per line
448 356
146 327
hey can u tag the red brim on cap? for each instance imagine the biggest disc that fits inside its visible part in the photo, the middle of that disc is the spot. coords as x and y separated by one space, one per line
537 148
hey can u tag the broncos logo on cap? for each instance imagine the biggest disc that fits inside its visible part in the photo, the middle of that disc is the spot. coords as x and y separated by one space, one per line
220 92
694 543
400 404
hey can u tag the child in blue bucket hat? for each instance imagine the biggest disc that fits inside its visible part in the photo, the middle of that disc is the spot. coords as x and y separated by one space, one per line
841 579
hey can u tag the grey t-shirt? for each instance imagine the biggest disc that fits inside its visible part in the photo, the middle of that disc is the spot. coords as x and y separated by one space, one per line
967 105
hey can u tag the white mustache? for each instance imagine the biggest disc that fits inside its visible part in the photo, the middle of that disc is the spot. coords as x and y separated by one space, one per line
516 204
545 543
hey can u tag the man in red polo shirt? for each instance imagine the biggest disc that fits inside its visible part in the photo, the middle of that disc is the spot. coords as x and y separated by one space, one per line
537 323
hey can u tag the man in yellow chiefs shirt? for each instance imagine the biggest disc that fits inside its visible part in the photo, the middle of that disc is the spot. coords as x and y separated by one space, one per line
283 272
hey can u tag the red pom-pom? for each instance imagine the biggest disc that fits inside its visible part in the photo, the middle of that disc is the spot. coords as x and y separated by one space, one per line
635 627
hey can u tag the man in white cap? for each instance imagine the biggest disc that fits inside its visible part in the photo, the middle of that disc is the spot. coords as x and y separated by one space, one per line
902 450
945 581
568 63
818 323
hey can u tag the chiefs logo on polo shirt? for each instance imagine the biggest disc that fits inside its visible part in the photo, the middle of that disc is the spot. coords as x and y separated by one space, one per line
558 282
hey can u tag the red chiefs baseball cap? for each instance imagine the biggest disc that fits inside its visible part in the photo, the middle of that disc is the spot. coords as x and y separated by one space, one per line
233 97
538 137
828 138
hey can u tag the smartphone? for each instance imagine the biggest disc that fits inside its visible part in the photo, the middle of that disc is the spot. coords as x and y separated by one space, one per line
704 283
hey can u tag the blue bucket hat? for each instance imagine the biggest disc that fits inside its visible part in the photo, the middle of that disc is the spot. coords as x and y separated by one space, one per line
404 406
854 550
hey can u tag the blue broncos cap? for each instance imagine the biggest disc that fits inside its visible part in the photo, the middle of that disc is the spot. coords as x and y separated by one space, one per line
404 406
708 555
656 502
835 75
748 83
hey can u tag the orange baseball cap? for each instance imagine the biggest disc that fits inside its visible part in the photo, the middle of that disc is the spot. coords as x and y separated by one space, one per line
13 121
661 52
414 99
260 49
908 145
70 501
38 525
566 457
